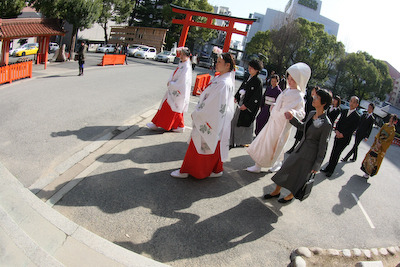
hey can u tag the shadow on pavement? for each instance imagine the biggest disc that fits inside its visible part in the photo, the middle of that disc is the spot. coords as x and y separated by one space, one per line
356 185
246 222
160 153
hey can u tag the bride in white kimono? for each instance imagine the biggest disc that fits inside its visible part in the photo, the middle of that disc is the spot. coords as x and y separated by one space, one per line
266 149
209 144
176 100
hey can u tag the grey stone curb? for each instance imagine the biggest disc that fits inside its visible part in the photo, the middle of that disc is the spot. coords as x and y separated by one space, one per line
299 255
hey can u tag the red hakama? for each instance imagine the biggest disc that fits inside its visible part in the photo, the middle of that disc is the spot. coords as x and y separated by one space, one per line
168 119
201 166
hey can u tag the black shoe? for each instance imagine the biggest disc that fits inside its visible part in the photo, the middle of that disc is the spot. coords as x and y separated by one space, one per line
328 174
344 159
283 200
269 196
323 170
352 160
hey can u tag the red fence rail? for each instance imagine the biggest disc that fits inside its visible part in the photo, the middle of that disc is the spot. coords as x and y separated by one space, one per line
15 71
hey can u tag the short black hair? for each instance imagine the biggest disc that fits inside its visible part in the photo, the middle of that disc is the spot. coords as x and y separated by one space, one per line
338 99
395 118
275 76
325 97
372 105
256 64
228 58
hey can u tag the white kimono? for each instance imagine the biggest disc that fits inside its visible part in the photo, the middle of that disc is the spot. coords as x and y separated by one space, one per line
180 84
212 116
267 147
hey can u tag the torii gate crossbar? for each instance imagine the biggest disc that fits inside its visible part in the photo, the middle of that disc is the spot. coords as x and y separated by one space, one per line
188 21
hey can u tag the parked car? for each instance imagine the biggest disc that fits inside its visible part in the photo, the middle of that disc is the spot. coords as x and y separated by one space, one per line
108 48
146 52
26 49
165 56
239 73
205 62
263 75
53 47
132 49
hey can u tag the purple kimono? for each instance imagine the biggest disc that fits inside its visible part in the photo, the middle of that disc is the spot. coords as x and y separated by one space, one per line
269 98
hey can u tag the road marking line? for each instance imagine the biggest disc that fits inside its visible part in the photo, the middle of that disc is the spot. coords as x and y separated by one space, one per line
363 211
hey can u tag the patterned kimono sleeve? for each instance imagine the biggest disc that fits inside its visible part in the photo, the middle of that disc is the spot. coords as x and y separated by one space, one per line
208 118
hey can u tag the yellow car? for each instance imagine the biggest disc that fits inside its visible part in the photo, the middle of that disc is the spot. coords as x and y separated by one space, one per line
26 49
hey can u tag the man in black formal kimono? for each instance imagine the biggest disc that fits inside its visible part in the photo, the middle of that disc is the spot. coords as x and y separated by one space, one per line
347 124
363 132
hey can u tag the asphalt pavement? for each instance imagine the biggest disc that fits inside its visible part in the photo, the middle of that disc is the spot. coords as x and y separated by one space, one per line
117 186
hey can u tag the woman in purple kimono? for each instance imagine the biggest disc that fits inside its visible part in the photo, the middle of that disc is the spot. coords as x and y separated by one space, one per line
269 98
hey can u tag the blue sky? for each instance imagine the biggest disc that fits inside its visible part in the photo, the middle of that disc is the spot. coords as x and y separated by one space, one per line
371 26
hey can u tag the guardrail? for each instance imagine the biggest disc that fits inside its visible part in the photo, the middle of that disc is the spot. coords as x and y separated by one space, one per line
201 83
396 141
112 60
12 72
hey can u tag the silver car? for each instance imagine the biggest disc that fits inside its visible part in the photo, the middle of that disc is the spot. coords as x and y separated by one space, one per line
165 56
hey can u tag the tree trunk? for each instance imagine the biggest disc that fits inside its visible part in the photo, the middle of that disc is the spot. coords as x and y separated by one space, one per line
72 44
105 32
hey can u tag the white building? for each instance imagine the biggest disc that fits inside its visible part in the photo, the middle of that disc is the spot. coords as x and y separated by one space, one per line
307 9
394 96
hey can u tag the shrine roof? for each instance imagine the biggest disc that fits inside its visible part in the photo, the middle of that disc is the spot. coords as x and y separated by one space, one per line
29 27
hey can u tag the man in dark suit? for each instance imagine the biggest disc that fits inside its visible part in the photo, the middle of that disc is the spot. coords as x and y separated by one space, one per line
363 132
347 124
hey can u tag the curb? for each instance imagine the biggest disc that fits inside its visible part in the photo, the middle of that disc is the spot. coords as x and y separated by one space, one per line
362 257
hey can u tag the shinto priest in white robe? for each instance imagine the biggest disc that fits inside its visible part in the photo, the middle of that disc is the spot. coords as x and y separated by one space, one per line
268 146
178 91
212 116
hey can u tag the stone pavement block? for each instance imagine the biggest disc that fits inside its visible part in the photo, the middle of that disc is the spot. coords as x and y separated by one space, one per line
10 254
369 264
82 255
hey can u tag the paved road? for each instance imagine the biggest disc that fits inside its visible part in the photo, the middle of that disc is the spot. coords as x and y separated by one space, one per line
129 198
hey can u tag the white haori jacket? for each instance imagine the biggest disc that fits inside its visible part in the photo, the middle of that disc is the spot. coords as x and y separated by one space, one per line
212 116
178 91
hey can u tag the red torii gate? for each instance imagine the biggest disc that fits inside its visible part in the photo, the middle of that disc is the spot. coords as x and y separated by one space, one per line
187 22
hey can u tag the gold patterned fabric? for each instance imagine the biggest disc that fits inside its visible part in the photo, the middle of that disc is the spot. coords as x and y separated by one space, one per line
373 159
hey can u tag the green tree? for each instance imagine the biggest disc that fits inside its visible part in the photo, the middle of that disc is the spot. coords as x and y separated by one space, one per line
363 76
299 41
81 14
115 10
11 8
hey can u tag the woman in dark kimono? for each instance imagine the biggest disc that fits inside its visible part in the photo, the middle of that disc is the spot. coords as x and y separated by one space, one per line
269 98
248 99
310 152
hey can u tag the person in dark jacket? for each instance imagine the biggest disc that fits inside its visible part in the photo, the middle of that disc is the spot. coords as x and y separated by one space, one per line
308 107
81 58
363 132
334 110
248 99
309 153
347 124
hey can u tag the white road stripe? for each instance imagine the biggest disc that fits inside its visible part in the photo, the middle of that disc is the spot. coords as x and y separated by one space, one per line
363 211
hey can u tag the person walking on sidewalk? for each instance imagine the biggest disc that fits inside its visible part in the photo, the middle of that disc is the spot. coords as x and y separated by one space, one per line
81 57
373 159
248 99
308 107
347 124
307 157
267 148
269 98
211 120
363 132
176 100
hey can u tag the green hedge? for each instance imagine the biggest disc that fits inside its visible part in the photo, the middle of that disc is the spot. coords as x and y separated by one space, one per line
309 3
